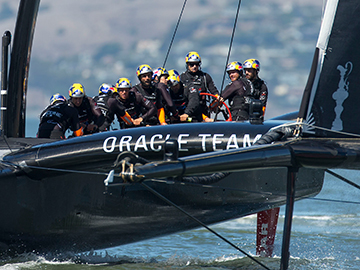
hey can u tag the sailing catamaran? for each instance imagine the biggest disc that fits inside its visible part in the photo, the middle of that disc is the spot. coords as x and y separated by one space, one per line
102 190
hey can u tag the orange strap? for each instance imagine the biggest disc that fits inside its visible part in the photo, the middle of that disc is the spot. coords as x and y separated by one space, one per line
79 132
127 119
161 115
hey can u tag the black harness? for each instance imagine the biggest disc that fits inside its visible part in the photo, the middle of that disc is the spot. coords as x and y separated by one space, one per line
152 96
101 101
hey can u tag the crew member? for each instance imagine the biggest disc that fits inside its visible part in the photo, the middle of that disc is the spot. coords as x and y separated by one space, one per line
160 81
136 105
157 73
57 118
150 92
194 77
90 115
260 90
186 101
236 92
110 106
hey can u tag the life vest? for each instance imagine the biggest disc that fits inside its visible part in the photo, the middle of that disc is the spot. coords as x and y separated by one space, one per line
150 96
197 81
257 85
84 111
241 102
101 101
130 105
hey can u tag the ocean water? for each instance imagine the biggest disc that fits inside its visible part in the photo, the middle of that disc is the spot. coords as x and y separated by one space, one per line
325 235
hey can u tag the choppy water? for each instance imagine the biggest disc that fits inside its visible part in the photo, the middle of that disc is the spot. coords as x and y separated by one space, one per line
325 235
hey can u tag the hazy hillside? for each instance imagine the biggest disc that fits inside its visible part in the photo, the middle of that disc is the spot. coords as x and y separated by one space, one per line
92 42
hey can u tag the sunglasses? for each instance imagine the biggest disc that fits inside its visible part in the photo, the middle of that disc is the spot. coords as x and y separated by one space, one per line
193 64
146 75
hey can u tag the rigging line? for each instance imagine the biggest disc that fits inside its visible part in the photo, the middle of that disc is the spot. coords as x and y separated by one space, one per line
230 46
333 131
247 191
343 178
201 223
213 187
183 183
173 37
62 170
331 200
7 143
228 55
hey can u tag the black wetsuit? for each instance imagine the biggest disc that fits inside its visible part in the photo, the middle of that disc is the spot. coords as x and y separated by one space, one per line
109 107
137 106
237 92
154 95
170 109
89 113
260 91
187 101
203 83
56 119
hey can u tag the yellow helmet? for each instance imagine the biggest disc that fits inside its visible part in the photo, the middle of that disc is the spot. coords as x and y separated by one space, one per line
76 90
193 57
123 83
174 77
114 90
143 69
234 66
252 63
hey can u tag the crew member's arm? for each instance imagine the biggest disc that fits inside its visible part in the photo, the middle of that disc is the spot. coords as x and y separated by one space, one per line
235 88
160 107
74 121
168 100
264 96
119 110
99 118
210 85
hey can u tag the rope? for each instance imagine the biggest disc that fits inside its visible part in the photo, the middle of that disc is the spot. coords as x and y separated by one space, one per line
62 170
7 143
230 46
248 191
228 55
173 37
343 179
331 200
332 131
201 223
182 183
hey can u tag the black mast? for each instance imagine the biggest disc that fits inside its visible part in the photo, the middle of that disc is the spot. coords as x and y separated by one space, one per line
6 40
19 68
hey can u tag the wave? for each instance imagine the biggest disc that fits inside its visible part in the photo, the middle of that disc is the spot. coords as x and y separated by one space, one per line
105 261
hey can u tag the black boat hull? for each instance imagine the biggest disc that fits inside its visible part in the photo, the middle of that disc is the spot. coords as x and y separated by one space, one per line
79 213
